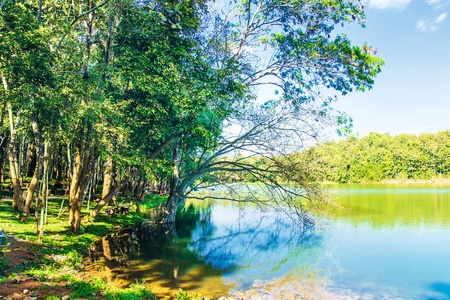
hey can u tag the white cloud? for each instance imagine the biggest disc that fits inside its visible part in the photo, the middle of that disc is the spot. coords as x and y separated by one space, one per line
425 25
438 4
433 2
383 4
441 18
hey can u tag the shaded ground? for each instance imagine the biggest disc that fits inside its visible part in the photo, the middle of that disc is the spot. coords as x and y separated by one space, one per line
19 254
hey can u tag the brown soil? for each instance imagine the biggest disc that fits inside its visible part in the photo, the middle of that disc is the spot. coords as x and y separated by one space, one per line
20 254
16 290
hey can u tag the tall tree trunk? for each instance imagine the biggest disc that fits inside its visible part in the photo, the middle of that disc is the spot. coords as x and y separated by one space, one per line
107 176
39 11
44 192
13 161
3 146
174 194
32 161
82 172
38 169
59 165
109 38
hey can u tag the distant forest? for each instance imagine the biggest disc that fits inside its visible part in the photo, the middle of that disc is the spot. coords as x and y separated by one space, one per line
379 157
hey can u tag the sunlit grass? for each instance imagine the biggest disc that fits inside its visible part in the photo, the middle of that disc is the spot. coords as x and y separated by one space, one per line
70 248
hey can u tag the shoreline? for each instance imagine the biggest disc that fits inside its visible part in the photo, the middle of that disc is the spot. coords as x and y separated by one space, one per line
395 181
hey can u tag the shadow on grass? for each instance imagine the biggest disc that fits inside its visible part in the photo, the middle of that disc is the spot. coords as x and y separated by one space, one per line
58 238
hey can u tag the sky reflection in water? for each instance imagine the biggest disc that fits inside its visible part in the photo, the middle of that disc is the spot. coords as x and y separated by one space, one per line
388 242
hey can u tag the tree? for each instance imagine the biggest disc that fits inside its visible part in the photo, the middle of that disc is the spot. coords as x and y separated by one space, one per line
301 55
126 88
377 157
25 67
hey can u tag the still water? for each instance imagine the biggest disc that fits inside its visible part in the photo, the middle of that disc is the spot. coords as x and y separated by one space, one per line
384 242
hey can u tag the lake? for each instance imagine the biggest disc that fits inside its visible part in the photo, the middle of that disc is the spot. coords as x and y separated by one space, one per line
384 242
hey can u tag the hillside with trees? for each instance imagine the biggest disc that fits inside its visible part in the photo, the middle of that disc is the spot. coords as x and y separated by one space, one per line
381 157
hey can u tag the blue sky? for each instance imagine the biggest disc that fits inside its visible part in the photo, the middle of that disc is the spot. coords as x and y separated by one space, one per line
412 94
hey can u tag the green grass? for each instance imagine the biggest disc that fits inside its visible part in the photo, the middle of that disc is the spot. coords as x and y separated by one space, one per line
185 296
57 232
59 240
152 201
95 287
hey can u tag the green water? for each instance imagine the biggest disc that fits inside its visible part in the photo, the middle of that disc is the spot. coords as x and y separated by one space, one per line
385 242
391 240
385 205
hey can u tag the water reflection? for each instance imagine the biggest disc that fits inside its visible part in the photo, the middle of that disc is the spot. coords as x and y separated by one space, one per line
249 244
212 248
388 205
381 245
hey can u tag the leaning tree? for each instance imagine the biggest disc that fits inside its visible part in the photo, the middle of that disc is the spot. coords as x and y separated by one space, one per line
293 47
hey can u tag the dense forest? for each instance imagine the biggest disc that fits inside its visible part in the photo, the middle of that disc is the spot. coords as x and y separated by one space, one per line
378 157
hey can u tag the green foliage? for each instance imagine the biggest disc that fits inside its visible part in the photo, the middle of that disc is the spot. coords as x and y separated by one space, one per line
3 266
185 296
153 86
152 201
136 291
379 157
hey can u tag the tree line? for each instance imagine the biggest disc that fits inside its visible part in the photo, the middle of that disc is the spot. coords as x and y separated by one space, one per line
112 95
378 157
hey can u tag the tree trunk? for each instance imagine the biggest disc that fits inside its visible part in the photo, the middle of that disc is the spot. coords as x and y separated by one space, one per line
44 192
29 194
59 165
82 172
12 153
13 162
38 169
107 198
107 177
3 143
32 161
174 193
3 146
171 208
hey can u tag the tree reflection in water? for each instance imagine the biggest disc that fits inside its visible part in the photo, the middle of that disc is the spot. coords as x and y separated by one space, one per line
211 248
249 244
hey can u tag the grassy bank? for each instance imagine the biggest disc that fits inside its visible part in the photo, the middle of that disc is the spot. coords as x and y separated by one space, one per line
54 268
